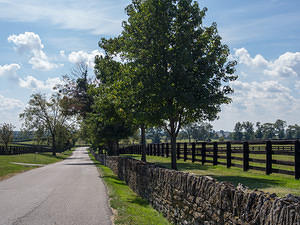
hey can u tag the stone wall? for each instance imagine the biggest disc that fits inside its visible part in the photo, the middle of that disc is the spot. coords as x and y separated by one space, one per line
190 199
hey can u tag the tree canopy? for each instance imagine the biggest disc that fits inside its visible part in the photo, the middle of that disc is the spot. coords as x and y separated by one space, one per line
181 65
47 115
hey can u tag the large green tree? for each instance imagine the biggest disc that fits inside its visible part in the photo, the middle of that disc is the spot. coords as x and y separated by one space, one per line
42 114
183 65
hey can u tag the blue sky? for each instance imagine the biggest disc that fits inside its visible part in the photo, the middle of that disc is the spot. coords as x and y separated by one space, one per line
42 40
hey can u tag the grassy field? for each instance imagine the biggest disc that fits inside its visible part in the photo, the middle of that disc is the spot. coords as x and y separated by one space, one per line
275 183
131 209
8 169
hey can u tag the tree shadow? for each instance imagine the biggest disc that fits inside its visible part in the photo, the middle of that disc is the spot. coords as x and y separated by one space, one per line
139 201
183 166
113 179
252 183
75 158
81 164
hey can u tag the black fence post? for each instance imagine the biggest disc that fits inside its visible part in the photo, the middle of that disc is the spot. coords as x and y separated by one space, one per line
228 154
147 150
297 160
162 149
167 150
151 149
203 153
158 150
178 150
193 152
185 152
269 157
215 160
245 156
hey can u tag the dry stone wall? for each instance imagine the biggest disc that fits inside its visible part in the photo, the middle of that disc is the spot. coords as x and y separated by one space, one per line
190 199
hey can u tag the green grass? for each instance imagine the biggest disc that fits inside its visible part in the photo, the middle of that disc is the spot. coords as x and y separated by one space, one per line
131 209
7 169
274 183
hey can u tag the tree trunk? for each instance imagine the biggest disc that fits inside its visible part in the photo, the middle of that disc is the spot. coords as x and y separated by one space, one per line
173 151
53 146
143 140
173 144
6 149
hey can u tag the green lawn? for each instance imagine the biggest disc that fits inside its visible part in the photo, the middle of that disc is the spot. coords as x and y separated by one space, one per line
131 209
274 183
7 169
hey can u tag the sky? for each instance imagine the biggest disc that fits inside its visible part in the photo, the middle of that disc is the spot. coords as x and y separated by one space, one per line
42 40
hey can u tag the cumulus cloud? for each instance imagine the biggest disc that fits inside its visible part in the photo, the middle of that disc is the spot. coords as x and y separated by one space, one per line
31 82
286 65
10 103
30 43
9 70
244 57
84 57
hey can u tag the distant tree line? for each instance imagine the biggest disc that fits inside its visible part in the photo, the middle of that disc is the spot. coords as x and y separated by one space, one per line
278 130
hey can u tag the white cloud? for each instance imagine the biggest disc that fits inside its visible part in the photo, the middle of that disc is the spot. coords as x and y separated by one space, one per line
267 90
286 65
31 43
102 17
84 57
10 103
62 53
9 70
31 82
245 58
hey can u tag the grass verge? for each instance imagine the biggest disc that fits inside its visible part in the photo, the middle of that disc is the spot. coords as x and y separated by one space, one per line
8 169
131 209
275 183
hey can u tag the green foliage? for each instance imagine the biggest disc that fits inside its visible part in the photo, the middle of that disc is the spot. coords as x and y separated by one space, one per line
180 68
47 117
293 131
6 134
238 132
248 130
155 134
74 89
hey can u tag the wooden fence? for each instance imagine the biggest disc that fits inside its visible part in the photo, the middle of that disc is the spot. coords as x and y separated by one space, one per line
14 150
270 156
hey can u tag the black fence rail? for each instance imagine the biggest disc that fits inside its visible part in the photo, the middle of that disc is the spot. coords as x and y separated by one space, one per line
24 149
281 157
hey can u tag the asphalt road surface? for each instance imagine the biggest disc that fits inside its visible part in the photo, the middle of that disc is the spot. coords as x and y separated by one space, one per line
68 192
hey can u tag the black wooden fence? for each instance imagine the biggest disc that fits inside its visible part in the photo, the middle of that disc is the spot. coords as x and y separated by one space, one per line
270 156
14 150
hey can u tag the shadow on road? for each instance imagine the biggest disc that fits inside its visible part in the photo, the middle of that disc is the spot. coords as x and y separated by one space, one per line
80 164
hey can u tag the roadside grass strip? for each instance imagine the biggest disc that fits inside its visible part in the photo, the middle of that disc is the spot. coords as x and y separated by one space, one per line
12 164
274 183
130 208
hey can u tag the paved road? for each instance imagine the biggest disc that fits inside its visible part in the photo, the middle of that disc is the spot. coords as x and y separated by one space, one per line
65 193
